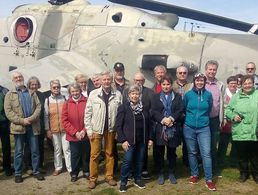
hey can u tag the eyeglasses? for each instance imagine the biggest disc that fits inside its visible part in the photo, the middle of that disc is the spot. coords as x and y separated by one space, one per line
182 73
249 69
56 87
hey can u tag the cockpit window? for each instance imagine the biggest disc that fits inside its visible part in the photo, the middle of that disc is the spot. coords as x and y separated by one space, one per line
23 29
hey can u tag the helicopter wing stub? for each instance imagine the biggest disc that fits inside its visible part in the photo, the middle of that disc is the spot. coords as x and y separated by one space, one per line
189 13
60 66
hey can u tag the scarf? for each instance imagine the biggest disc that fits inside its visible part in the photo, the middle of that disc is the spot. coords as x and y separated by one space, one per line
167 132
137 108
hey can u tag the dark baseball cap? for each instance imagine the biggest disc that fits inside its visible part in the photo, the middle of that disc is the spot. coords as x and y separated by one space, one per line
119 66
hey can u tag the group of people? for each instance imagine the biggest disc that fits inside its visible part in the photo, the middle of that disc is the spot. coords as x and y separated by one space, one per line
108 109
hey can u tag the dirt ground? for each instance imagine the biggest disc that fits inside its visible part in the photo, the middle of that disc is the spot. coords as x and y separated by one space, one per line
61 185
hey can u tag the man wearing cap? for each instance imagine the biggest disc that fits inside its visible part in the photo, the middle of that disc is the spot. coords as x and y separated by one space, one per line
120 82
250 70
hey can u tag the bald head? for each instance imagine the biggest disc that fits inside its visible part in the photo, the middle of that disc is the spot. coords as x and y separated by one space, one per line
250 68
181 73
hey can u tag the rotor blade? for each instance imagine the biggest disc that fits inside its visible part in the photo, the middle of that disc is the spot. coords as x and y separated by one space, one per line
188 13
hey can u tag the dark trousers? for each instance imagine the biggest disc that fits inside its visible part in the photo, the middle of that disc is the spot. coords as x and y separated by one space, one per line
247 153
159 158
145 159
27 152
6 146
224 140
116 157
184 147
214 128
80 156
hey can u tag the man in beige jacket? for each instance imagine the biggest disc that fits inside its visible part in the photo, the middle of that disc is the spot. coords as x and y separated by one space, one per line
22 108
100 115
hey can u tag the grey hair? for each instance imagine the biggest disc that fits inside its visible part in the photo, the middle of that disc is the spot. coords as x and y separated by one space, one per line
160 67
252 64
211 62
33 78
96 75
133 88
182 66
16 73
79 77
109 73
75 86
55 81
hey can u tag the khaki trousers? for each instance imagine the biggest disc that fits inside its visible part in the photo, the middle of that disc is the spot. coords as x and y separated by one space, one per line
95 143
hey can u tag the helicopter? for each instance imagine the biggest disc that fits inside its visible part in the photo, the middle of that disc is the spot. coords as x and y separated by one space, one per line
62 38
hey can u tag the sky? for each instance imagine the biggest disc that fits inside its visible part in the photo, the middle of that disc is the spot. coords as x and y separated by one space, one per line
237 9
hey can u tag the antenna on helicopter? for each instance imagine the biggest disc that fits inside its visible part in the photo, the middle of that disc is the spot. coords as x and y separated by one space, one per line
59 2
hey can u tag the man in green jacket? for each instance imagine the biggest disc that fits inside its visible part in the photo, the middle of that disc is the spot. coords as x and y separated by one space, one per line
22 108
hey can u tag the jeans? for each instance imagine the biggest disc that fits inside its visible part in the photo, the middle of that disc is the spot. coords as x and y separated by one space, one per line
201 137
80 156
19 147
6 146
214 128
139 150
27 153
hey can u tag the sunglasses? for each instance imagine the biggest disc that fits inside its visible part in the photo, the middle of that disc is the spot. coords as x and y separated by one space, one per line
249 69
182 73
56 87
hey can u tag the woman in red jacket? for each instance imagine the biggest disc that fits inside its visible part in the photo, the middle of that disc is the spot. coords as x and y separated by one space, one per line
73 122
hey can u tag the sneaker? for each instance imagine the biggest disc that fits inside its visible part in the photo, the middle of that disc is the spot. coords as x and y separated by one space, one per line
172 178
74 178
210 185
161 179
18 179
193 180
39 177
92 185
122 188
139 184
146 175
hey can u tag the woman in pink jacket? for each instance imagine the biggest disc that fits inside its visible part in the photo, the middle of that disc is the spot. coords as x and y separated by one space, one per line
73 122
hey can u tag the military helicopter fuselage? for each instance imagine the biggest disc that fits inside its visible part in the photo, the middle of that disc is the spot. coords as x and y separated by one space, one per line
60 41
